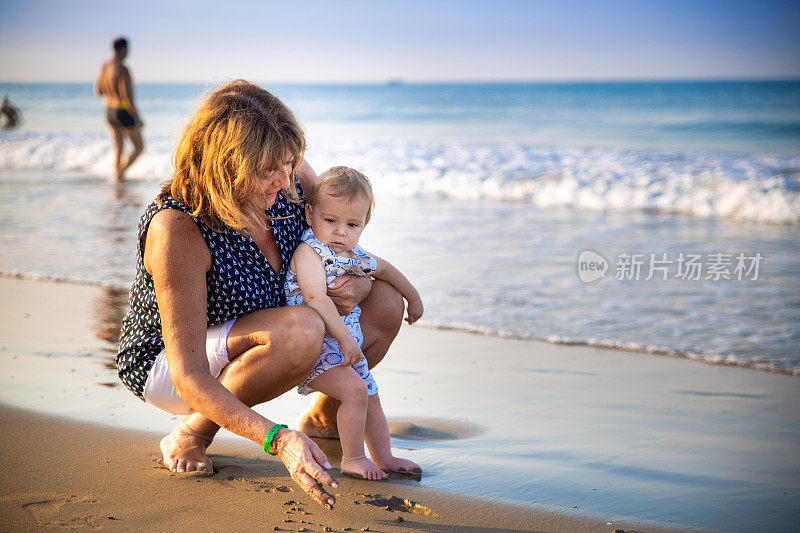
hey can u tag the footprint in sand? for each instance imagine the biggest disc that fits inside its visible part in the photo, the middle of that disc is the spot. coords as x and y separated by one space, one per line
243 479
244 474
250 484
55 509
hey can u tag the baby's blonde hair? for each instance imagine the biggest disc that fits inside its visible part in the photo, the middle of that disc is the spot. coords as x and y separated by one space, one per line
342 182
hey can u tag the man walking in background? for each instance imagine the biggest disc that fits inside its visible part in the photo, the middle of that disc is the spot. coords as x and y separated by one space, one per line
115 86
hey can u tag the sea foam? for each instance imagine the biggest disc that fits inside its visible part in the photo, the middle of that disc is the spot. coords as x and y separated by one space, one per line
745 187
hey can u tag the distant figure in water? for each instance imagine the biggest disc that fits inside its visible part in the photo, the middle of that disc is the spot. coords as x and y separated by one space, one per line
115 86
11 112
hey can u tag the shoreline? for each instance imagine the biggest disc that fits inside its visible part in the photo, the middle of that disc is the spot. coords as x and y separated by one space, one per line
690 356
649 350
565 432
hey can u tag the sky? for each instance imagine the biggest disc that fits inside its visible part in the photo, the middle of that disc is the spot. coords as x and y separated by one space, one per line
427 41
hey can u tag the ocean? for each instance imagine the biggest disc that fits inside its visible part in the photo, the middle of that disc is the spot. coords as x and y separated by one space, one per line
660 217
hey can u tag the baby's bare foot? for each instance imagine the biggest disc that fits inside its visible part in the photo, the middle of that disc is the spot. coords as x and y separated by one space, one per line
401 466
363 468
185 451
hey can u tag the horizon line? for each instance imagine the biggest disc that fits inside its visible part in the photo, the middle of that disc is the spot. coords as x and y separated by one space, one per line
457 81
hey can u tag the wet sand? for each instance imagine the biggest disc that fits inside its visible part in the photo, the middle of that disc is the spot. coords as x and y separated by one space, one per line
62 474
513 436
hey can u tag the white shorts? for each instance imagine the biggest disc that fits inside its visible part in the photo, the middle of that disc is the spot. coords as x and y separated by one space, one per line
159 390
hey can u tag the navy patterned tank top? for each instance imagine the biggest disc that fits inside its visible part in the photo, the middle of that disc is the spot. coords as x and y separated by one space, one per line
240 281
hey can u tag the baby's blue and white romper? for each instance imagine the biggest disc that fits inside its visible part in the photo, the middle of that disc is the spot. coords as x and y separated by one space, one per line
334 266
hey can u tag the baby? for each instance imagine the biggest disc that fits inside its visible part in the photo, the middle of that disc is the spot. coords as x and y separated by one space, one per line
338 207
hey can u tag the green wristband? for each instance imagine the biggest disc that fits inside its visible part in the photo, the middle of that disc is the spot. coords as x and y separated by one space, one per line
271 435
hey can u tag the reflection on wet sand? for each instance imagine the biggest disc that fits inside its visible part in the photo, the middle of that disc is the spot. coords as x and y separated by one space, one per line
109 311
112 306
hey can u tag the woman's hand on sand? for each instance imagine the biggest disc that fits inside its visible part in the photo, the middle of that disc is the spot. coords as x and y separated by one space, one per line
348 291
306 464
415 310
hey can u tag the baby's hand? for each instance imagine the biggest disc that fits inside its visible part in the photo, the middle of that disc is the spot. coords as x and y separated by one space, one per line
350 350
415 310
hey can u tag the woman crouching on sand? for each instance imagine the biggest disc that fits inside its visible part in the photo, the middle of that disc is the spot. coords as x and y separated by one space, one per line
207 334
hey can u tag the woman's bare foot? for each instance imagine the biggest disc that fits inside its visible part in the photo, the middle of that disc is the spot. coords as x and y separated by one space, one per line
185 451
363 468
400 466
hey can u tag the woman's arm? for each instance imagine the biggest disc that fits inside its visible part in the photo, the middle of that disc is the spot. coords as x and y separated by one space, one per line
177 257
388 273
348 291
311 278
